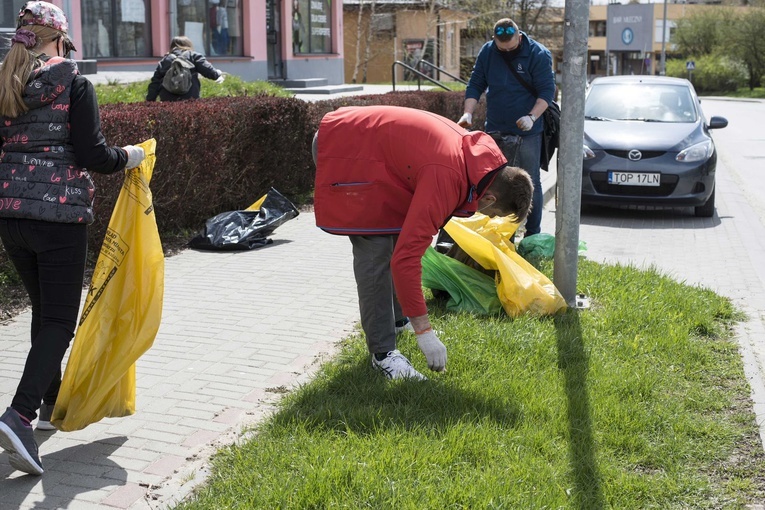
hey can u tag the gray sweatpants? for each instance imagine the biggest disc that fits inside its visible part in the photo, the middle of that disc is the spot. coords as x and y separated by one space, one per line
378 305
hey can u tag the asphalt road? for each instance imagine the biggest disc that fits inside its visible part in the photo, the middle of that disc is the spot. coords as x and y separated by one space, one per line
725 253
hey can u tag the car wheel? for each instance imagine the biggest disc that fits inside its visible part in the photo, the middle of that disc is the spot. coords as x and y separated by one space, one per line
708 209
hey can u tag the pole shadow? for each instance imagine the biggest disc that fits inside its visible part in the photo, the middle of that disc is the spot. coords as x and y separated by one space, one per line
574 363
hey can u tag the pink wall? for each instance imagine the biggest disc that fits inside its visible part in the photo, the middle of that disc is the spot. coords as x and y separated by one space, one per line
254 36
254 17
160 30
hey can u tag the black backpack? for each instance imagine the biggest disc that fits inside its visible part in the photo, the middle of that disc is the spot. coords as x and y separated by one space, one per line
177 79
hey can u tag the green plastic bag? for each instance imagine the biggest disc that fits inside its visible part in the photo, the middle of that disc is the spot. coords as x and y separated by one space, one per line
541 245
469 290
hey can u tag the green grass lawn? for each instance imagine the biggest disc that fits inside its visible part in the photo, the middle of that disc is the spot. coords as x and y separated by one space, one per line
757 93
231 86
637 402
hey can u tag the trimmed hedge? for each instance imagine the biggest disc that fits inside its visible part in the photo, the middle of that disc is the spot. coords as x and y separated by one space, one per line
222 154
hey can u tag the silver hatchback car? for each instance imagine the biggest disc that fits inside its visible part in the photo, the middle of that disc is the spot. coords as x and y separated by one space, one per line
647 142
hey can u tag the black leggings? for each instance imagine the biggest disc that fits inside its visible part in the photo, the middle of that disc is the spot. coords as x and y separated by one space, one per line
50 259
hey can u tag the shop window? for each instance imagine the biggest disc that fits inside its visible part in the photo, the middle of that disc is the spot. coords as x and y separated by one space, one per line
214 26
9 9
8 12
115 28
311 26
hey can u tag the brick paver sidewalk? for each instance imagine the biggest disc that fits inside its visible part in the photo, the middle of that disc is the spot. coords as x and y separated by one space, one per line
237 328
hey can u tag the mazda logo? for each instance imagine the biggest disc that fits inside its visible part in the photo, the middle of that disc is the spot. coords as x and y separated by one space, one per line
635 155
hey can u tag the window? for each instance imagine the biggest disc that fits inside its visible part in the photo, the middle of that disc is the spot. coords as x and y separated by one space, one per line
597 28
8 12
9 9
115 28
311 26
214 26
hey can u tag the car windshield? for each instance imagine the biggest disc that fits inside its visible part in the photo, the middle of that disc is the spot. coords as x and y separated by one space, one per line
647 102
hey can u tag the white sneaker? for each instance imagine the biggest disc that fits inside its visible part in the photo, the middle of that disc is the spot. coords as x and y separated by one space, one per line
406 327
396 366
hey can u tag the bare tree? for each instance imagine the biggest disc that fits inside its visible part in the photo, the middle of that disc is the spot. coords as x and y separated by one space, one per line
359 20
368 49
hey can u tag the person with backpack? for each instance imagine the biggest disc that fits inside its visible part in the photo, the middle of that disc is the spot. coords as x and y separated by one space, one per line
177 75
50 139
516 73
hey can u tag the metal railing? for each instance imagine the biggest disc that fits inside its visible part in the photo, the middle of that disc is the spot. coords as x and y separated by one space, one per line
422 76
440 70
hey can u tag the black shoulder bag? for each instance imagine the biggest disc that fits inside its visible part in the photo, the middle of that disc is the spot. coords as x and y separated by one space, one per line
551 116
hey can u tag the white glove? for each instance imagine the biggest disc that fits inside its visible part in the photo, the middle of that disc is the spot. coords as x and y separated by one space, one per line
525 123
220 78
135 156
466 120
433 349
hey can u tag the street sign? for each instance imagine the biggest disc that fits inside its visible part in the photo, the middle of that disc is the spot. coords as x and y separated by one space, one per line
690 65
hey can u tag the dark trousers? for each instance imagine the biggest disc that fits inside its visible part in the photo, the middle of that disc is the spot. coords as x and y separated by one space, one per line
523 151
50 259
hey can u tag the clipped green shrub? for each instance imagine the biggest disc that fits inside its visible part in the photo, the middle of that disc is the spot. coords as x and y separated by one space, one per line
446 104
713 73
221 154
213 155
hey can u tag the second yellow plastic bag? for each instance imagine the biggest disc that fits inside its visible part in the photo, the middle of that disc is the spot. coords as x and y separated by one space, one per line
122 310
521 287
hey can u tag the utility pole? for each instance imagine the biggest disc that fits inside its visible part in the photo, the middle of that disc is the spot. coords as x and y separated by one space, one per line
663 70
569 181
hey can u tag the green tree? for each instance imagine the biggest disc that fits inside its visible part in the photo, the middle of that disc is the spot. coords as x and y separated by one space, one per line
745 40
701 33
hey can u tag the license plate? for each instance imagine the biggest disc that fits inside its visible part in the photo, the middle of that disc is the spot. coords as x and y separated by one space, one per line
634 178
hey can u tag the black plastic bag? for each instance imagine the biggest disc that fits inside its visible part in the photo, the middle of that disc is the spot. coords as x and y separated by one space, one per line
245 230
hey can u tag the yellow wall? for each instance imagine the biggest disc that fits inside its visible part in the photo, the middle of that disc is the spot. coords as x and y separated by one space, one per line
387 47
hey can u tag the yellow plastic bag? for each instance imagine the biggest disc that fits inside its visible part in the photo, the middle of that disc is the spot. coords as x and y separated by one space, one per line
520 286
256 205
122 310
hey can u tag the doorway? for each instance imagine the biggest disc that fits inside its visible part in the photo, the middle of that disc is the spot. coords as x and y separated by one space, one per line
273 40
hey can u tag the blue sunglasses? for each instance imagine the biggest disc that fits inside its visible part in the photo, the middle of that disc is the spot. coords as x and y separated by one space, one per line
504 31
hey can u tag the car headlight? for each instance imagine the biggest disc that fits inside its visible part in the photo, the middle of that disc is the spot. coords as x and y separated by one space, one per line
698 152
587 152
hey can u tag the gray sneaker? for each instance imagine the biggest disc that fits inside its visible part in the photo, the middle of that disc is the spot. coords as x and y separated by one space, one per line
19 441
43 420
396 366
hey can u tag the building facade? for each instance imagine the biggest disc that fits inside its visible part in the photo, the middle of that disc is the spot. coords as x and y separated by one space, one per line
254 39
400 31
628 38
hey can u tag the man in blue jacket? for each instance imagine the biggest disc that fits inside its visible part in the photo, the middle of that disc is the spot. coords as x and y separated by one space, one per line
513 111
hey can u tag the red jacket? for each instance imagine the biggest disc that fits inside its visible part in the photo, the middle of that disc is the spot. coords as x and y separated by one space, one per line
393 170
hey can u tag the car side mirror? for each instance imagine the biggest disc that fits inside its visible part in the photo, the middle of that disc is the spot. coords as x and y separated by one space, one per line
717 122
